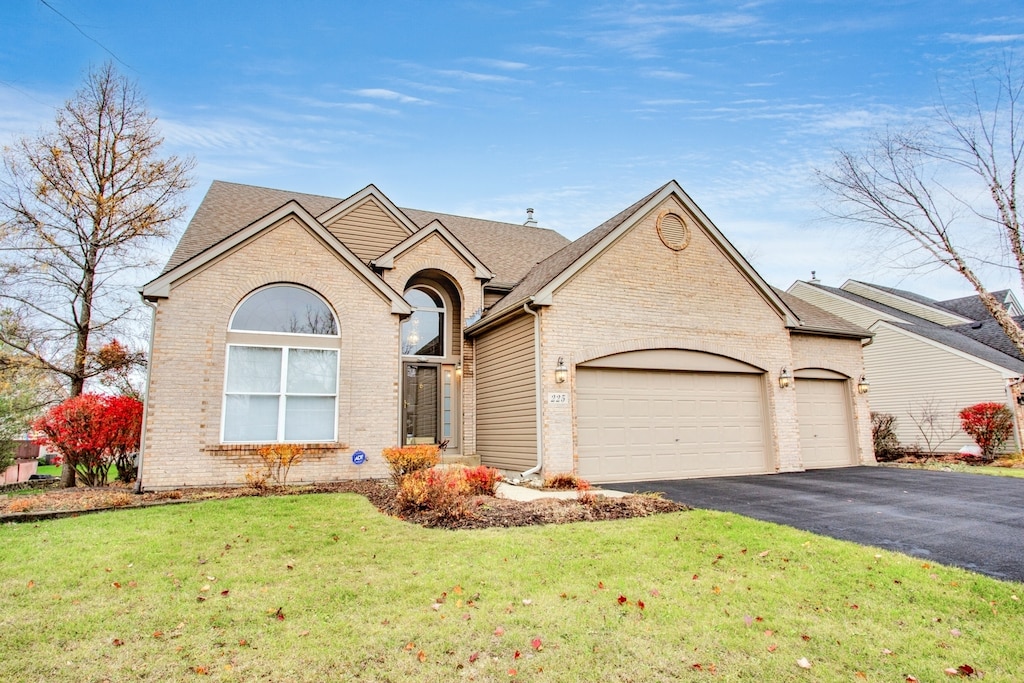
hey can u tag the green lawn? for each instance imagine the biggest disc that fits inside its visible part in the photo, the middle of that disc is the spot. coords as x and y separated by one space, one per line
323 587
959 467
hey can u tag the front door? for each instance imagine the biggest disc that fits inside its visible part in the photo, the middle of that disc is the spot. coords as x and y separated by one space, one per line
428 405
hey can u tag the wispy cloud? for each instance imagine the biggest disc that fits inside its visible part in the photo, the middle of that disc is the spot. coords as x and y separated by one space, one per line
984 38
384 94
502 64
666 74
476 77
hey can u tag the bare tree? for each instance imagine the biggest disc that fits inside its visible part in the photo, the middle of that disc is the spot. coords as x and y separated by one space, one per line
949 189
80 206
935 424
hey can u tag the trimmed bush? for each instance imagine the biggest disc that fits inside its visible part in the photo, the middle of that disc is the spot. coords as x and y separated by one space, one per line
442 491
566 481
989 424
404 460
482 480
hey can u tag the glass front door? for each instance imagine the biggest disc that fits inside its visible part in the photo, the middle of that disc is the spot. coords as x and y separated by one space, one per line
420 393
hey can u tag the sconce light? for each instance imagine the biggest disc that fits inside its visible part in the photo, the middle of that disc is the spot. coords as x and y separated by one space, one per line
561 372
458 369
863 385
785 378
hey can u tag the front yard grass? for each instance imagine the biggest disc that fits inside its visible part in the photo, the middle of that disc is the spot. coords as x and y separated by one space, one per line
323 587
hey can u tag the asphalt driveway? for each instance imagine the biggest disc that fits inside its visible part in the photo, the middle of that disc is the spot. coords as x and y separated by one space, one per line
968 520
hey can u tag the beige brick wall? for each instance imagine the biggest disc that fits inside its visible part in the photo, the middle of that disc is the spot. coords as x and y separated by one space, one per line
641 295
434 253
185 398
845 356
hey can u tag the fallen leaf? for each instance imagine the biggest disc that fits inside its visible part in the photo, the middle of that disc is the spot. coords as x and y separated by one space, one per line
861 675
205 588
536 644
716 590
695 577
748 620
1014 597
527 601
201 670
499 631
803 663
303 633
600 585
772 647
517 655
457 590
118 642
955 632
225 593
279 614
622 600
911 679
640 604
116 584
763 554
512 672
965 670
852 606
31 584
805 636
157 634
697 666
951 672
421 655
473 657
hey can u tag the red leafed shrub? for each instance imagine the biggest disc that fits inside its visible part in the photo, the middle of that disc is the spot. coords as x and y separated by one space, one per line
443 491
91 431
403 460
989 424
482 480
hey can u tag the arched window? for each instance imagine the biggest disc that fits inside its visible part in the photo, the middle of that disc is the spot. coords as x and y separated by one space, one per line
423 332
281 382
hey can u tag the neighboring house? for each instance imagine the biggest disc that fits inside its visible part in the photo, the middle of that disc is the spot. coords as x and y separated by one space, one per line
646 349
929 359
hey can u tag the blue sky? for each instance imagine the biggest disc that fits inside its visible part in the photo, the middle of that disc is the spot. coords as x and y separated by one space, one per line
486 108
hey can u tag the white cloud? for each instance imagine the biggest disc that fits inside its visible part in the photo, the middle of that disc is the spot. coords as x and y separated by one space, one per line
384 94
983 38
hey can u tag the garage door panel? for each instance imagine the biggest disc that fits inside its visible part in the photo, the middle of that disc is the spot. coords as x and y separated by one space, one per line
677 424
823 406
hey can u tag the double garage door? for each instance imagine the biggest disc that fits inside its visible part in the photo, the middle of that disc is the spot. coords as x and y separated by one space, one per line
636 425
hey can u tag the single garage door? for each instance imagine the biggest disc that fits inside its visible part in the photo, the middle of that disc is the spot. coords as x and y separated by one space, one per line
823 408
635 425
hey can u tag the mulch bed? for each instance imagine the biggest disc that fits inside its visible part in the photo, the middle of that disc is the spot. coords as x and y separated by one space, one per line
480 512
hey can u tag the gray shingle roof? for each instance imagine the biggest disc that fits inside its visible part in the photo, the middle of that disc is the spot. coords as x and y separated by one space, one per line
814 319
989 333
953 337
971 306
912 296
508 249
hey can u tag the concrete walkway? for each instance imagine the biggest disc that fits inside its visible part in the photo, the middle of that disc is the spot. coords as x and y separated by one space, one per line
528 493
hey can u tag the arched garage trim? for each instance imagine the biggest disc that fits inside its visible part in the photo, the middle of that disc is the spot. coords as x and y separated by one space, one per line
584 356
672 359
818 373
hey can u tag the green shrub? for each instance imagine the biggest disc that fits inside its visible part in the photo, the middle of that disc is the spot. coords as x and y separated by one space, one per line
404 460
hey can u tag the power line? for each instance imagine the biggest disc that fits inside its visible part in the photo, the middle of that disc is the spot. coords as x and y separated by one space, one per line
79 29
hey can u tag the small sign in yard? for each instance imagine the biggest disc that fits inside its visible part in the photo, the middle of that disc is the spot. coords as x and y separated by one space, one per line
358 458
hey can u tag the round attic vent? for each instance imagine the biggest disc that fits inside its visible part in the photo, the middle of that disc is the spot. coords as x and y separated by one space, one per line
673 231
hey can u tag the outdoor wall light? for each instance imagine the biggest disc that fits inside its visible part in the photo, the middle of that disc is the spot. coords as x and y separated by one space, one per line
863 385
561 372
458 369
785 379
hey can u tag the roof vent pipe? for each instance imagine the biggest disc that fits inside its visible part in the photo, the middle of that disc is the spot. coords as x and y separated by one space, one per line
814 278
529 218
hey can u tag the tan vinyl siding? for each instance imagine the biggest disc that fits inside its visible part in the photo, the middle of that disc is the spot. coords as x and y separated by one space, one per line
836 305
907 374
506 409
935 315
368 230
491 297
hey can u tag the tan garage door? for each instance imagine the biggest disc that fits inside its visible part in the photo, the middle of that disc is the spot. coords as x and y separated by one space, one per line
635 425
825 435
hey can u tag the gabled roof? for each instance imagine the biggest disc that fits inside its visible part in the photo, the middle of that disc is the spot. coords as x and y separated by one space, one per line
547 276
342 207
972 306
814 320
510 250
387 260
160 287
952 337
989 333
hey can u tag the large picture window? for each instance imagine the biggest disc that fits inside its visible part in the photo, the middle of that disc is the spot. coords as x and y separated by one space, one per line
279 385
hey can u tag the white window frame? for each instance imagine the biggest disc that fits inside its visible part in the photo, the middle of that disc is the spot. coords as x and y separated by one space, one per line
444 333
303 341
